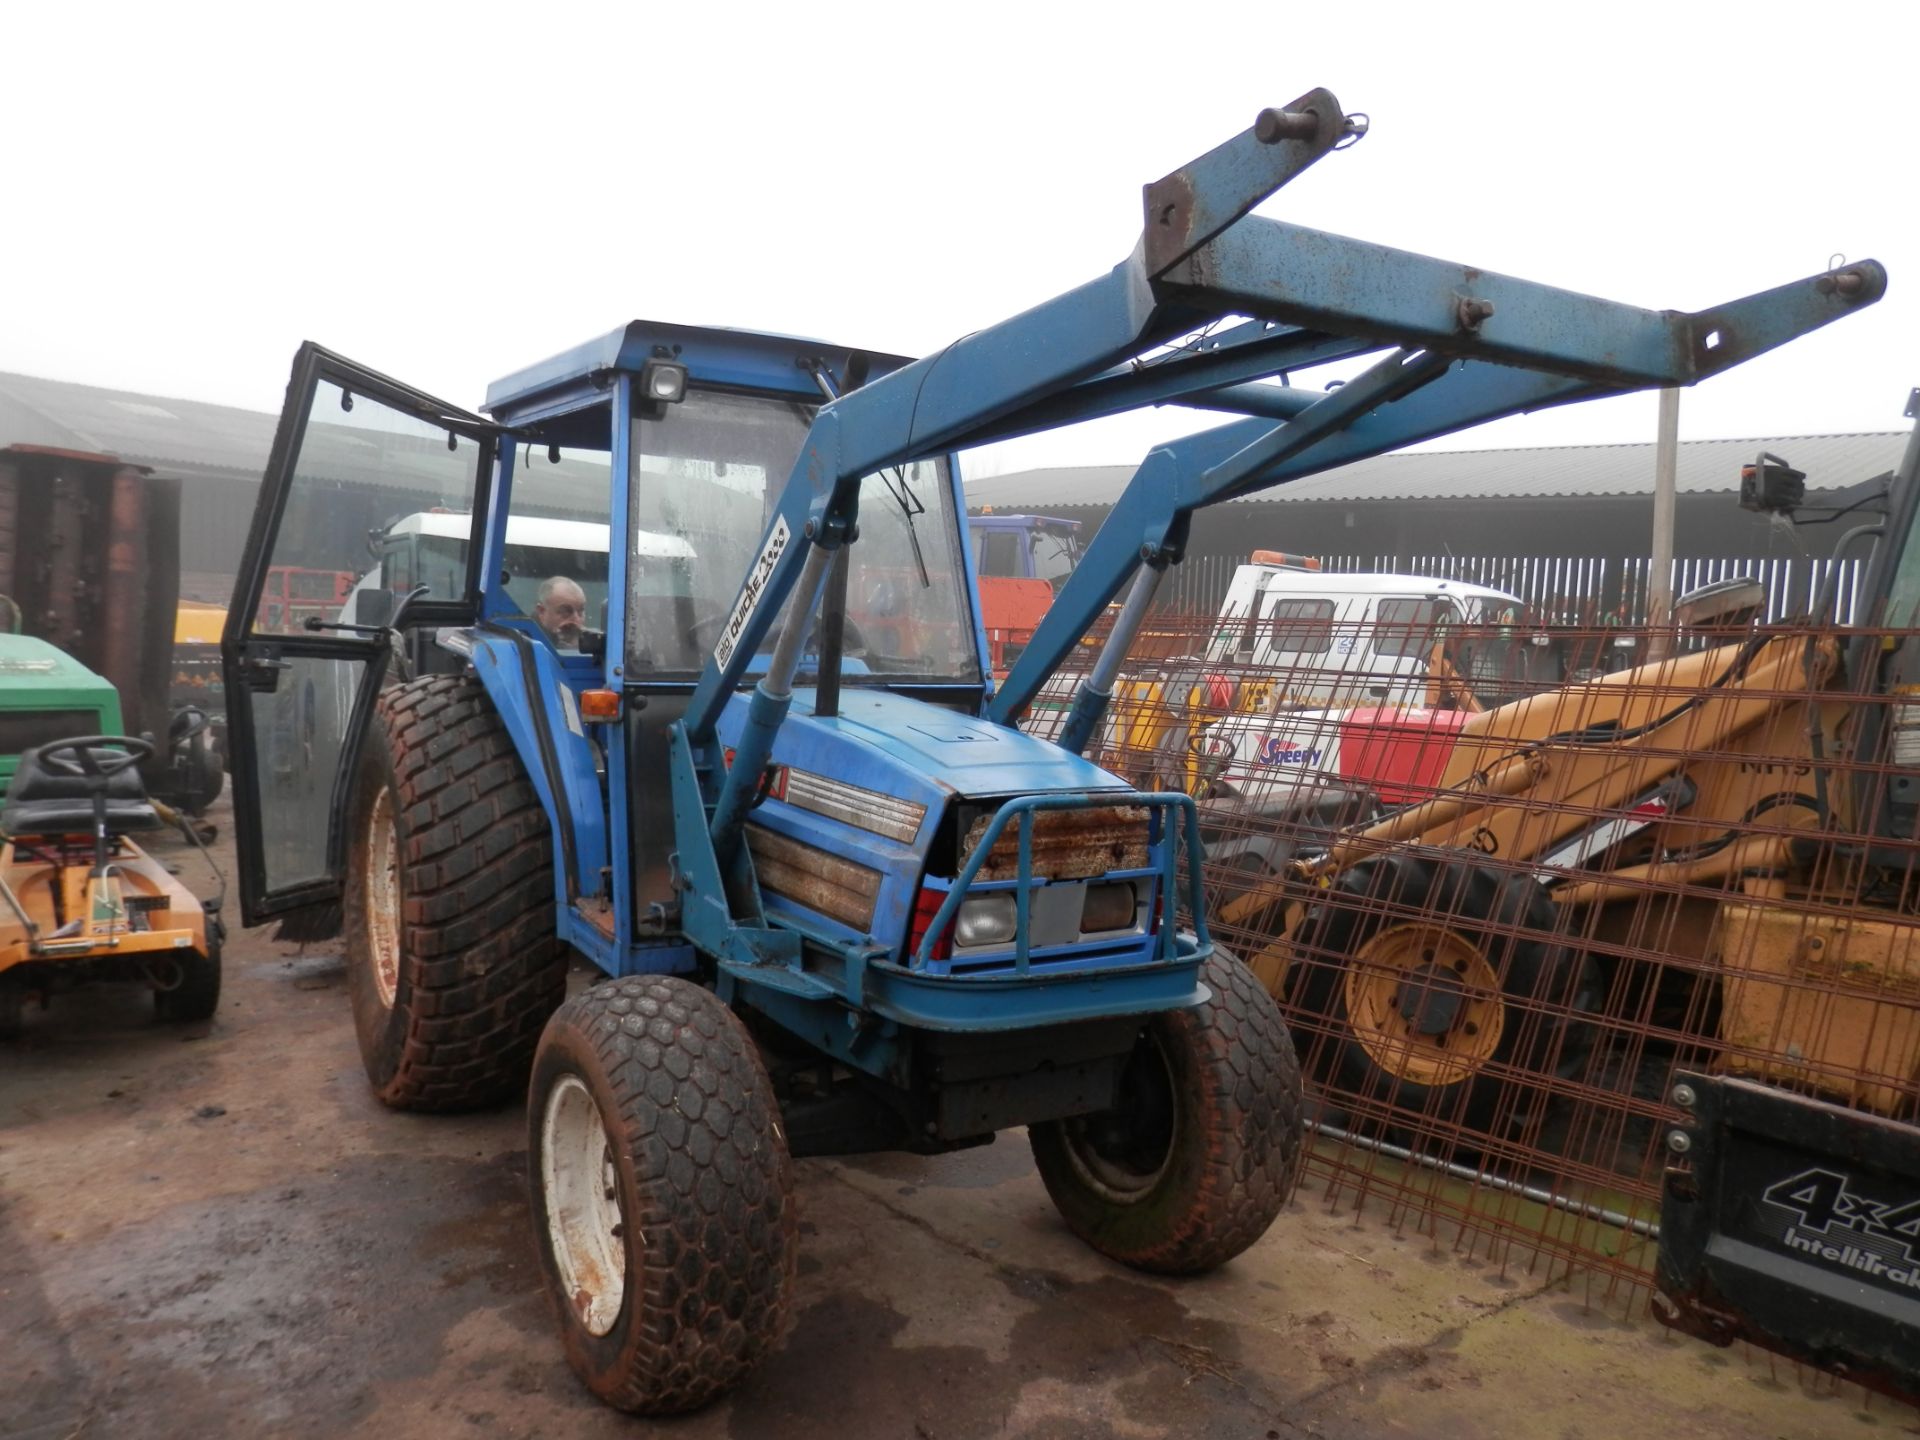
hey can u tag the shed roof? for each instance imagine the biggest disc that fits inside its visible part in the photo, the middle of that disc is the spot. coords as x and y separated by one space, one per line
150 429
1831 462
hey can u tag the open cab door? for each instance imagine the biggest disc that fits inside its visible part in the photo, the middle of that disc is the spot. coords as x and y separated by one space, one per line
307 644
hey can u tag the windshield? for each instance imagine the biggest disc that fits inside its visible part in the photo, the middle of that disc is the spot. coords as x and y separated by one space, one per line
708 471
1056 550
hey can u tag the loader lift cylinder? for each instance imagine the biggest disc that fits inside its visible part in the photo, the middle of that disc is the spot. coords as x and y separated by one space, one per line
772 698
1096 691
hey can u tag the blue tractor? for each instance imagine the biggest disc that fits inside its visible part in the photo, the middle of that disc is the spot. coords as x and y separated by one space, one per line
749 761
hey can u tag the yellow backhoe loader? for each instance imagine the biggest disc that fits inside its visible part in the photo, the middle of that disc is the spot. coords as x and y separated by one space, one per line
1733 825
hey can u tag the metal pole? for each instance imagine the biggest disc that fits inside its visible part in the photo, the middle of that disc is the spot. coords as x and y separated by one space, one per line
1587 1210
1660 576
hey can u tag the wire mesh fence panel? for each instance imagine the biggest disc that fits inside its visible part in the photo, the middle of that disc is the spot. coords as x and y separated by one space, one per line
1507 879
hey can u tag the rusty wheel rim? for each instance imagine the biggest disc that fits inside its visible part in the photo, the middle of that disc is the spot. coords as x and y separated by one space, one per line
383 899
586 1234
1425 1004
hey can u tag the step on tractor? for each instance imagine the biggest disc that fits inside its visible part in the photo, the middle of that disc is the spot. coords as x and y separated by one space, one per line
841 903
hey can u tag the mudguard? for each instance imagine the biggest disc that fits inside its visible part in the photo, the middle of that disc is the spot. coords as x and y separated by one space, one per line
524 680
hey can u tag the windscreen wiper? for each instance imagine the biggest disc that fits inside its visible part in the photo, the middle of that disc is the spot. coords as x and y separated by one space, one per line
893 477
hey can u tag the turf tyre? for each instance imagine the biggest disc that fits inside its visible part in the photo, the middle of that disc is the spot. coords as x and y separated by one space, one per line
453 965
1212 1094
197 995
708 1229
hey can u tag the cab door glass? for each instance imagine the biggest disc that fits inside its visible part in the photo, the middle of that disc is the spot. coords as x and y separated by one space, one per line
366 482
367 476
1000 554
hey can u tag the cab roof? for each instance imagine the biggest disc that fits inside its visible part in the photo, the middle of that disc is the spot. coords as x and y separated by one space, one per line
717 355
25 658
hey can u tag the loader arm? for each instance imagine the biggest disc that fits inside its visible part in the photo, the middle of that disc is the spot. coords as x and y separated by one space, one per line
1463 346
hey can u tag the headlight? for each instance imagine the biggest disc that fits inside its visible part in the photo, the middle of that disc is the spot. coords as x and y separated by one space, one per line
986 920
1108 907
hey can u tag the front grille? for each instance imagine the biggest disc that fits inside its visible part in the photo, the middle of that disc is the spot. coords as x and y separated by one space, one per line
1067 844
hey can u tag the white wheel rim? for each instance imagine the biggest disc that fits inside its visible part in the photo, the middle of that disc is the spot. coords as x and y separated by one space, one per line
383 898
581 1187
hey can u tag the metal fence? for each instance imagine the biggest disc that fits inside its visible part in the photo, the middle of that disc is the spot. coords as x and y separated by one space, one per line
1498 929
1567 589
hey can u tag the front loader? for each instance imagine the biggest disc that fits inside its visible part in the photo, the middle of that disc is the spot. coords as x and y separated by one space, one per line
773 791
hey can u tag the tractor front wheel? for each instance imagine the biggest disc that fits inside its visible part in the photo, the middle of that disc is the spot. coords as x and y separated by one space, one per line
1194 1163
452 960
662 1193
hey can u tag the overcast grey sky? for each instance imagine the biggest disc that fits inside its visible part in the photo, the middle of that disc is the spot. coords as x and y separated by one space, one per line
447 193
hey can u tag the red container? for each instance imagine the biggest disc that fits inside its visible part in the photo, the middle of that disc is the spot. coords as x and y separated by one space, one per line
1399 753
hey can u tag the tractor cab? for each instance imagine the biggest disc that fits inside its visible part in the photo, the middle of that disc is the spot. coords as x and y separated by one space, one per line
442 525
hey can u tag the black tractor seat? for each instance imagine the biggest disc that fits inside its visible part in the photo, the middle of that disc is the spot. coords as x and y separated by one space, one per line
44 800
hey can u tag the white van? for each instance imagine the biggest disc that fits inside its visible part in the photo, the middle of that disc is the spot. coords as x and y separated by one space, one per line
1323 640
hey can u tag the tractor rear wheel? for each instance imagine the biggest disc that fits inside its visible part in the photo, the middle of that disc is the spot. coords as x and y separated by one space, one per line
452 960
1443 986
1194 1163
662 1193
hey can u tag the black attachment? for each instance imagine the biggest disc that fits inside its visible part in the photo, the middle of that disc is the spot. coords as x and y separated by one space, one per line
1772 486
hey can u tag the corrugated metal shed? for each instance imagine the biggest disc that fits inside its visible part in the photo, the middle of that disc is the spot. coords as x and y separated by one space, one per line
1832 462
149 429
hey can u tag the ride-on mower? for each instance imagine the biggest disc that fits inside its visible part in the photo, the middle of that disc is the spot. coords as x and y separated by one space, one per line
83 901
778 798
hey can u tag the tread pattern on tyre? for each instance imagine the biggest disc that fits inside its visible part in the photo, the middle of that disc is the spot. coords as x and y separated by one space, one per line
1257 1148
1558 986
1233 1058
714 1188
485 967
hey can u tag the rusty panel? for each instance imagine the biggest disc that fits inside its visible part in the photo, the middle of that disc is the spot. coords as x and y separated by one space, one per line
815 878
91 559
1067 844
9 525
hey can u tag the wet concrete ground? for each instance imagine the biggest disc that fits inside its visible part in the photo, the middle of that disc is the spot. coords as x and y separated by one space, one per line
215 1232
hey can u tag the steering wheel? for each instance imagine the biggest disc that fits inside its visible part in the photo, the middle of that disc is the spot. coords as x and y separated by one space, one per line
92 762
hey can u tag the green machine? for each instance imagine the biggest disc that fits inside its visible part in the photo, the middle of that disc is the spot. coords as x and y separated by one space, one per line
47 695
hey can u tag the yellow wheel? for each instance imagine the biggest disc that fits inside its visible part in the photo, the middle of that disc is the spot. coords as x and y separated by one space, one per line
1443 990
1425 1003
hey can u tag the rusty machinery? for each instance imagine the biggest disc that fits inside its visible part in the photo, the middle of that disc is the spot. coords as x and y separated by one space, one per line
90 559
1714 851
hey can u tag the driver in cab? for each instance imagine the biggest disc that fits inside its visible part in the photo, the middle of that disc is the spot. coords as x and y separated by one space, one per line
561 611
